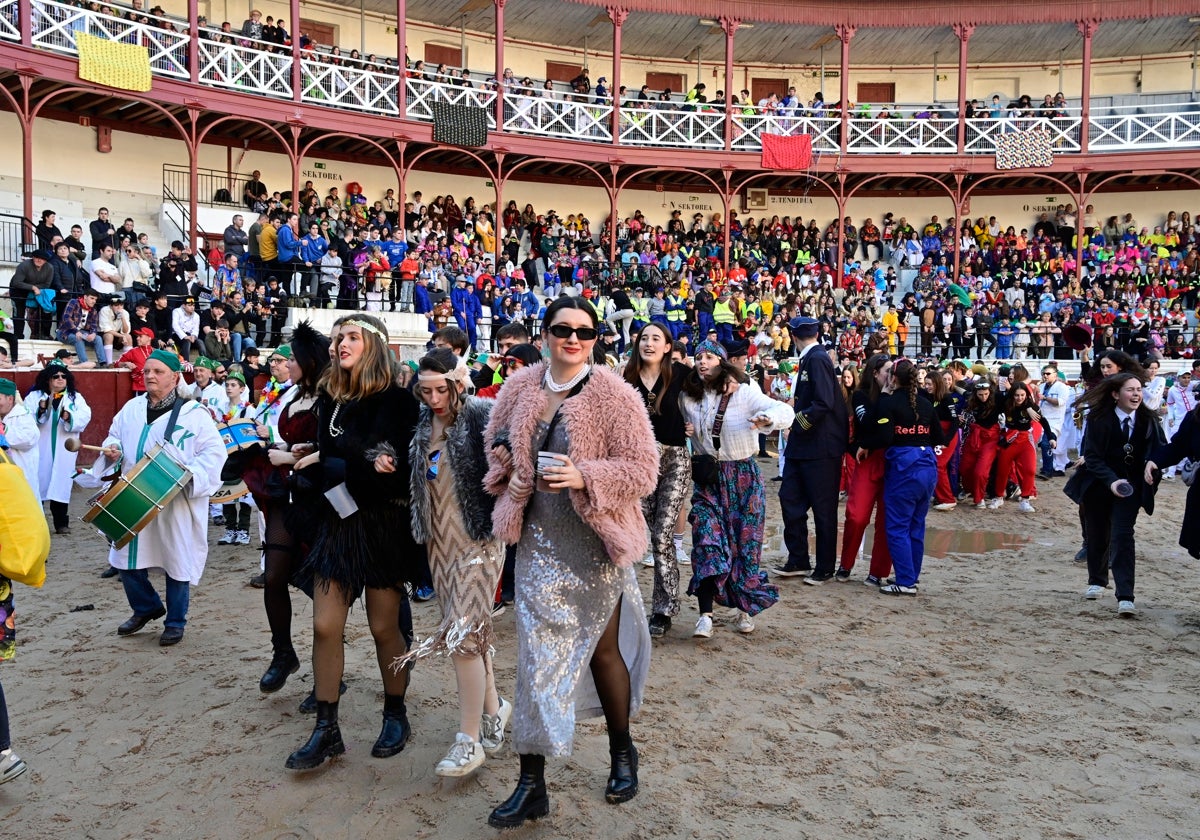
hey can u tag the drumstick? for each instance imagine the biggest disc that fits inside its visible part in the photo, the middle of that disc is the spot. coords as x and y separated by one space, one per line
73 445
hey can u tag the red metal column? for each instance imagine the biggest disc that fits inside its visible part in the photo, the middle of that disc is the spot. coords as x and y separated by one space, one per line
844 32
730 25
499 66
25 21
1087 28
297 93
963 32
839 228
618 16
193 43
613 192
193 182
401 52
27 157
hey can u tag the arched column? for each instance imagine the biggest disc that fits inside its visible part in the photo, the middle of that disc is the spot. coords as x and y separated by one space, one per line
1087 28
401 56
963 32
297 88
844 32
499 4
618 17
193 175
730 28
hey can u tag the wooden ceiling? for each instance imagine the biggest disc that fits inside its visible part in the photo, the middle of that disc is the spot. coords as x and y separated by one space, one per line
650 35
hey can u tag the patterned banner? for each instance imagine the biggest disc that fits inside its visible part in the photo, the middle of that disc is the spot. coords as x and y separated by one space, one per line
115 65
1024 149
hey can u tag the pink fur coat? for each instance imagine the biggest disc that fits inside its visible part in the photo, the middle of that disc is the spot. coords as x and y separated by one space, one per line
611 443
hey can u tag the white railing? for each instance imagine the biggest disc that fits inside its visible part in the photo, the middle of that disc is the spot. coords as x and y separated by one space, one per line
10 29
348 86
526 114
422 94
56 24
1145 127
678 129
981 134
247 66
902 136
748 128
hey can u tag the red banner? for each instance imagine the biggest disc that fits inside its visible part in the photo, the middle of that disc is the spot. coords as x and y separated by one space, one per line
786 152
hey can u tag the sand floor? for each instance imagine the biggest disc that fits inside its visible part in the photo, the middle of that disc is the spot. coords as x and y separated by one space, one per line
996 704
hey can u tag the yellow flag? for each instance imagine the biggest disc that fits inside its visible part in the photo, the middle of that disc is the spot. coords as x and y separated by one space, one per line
112 64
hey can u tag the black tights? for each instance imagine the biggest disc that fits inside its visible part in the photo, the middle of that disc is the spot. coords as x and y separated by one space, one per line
282 553
705 593
611 675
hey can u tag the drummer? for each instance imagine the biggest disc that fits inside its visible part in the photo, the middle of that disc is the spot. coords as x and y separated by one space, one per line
175 541
237 512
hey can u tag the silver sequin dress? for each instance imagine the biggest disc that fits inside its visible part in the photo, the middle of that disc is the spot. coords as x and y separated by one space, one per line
566 591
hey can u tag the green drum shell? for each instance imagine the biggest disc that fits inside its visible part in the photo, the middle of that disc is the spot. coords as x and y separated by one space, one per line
136 498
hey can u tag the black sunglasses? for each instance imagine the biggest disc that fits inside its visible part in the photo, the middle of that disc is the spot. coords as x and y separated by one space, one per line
583 333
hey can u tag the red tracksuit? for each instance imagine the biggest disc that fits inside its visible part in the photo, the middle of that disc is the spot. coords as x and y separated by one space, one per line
1020 454
979 452
865 492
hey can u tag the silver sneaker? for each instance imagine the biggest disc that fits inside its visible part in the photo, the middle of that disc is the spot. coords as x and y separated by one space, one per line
466 754
243 538
491 728
11 766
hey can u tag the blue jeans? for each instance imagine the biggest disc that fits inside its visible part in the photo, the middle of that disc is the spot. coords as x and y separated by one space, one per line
908 482
704 320
725 333
97 342
145 601
240 341
1047 455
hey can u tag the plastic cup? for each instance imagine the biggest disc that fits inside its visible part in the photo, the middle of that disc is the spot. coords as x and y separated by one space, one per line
544 461
342 501
1124 489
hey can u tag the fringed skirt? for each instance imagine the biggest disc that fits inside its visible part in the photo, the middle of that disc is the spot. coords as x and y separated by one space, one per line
727 532
372 548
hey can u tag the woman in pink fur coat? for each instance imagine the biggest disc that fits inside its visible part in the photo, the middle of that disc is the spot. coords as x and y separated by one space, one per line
571 454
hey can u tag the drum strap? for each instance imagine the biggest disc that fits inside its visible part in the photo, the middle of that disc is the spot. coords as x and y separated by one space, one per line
173 420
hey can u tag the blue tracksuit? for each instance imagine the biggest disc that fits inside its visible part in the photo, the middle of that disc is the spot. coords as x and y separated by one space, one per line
467 311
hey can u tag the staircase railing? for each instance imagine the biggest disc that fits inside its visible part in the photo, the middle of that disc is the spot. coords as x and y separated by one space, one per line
16 237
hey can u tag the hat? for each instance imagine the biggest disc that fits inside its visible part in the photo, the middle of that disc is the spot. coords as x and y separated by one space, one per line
188 300
979 369
803 327
141 302
713 347
146 331
237 375
8 388
40 254
64 353
113 300
171 360
786 367
206 363
1005 370
737 348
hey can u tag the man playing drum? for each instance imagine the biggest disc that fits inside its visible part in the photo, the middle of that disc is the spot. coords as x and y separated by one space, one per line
176 541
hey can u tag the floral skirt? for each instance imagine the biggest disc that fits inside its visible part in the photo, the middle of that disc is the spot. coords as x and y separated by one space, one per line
727 531
8 626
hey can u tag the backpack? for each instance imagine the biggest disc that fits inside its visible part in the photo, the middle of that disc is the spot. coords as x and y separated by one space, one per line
222 196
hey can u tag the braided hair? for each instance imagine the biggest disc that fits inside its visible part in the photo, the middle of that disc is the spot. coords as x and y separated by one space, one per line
905 374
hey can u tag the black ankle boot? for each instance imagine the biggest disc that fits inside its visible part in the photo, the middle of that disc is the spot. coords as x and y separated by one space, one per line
283 664
394 734
309 704
325 742
622 778
529 801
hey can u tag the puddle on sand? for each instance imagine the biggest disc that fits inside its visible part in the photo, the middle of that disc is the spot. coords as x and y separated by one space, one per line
939 542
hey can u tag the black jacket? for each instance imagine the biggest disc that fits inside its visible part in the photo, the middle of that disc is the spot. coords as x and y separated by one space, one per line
821 428
1105 458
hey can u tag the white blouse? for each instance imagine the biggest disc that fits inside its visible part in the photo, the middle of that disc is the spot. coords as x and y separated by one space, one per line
739 438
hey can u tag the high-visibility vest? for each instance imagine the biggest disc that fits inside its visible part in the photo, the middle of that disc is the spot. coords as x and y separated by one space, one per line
641 308
675 308
722 314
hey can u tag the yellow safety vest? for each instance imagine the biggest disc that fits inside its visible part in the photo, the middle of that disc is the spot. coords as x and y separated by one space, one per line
641 309
676 314
722 314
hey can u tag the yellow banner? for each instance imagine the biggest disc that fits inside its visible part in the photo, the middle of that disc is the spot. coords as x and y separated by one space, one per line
115 65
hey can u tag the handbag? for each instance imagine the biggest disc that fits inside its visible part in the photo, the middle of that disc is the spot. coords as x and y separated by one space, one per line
24 535
1187 471
706 470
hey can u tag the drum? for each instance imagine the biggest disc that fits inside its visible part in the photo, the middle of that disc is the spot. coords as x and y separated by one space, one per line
230 491
133 500
238 435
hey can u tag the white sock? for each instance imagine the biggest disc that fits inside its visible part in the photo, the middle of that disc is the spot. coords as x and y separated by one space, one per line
108 353
678 540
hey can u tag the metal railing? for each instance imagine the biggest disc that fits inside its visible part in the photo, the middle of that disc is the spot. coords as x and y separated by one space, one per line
1133 128
214 187
525 114
689 129
55 26
16 237
352 86
749 128
245 65
422 94
10 28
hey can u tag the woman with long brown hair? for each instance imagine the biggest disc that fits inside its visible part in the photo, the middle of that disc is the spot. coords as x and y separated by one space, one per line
865 492
982 419
659 381
364 534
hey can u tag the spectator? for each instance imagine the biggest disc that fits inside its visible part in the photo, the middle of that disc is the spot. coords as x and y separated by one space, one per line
80 326
115 327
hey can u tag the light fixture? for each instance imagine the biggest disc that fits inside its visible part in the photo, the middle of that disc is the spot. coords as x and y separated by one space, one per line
717 23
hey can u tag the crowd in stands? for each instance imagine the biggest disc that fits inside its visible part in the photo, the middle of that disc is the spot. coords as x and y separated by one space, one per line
1017 292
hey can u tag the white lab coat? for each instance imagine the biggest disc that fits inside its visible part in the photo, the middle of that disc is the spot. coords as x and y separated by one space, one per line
22 433
56 466
176 541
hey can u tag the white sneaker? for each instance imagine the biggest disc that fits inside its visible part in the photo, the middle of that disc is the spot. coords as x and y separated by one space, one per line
996 503
243 538
229 537
648 561
466 754
11 766
946 506
491 728
981 506
745 623
1094 592
1126 609
681 556
1025 507
703 628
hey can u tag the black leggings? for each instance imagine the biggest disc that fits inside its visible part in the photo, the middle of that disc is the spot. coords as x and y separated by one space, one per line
706 592
611 676
5 741
282 554
58 512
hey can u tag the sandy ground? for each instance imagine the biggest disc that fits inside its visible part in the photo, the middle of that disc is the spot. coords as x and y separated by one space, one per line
996 704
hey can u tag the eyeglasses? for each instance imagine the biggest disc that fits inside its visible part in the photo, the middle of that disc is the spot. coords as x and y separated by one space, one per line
583 333
61 376
434 457
513 364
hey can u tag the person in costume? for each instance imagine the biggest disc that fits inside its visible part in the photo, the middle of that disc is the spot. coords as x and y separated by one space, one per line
454 521
21 432
62 414
135 359
582 435
1184 443
11 764
175 541
237 512
728 515
365 543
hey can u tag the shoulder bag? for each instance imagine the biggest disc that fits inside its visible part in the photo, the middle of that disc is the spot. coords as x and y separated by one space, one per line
705 468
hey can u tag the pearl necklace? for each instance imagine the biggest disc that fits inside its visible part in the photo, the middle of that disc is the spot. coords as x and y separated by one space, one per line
549 382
